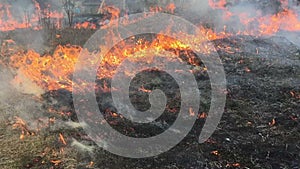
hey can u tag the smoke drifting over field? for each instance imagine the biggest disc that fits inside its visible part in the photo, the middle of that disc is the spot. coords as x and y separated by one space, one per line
15 100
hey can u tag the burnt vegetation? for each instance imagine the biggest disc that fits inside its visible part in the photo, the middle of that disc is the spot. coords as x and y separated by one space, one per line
259 128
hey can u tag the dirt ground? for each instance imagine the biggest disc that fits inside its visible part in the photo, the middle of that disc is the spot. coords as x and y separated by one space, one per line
259 128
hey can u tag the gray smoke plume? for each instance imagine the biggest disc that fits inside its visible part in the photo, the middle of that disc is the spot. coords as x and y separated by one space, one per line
17 100
237 12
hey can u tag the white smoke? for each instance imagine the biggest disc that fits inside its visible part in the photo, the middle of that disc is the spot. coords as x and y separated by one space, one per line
16 102
240 11
20 10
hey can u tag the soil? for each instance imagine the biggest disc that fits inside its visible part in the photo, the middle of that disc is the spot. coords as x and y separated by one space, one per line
259 128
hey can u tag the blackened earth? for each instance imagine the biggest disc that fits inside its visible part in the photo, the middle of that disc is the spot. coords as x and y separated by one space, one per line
260 125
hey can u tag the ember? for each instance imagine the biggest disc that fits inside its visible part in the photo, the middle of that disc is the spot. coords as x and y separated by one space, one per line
261 64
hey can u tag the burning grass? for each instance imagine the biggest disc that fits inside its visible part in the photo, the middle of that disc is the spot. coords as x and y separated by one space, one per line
38 151
260 120
260 127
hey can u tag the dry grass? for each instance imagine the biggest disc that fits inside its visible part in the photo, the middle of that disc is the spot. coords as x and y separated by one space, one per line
33 151
24 143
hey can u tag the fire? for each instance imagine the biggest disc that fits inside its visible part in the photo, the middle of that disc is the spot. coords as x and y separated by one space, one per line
272 123
260 25
144 90
85 25
21 124
91 164
203 115
28 19
215 152
233 165
191 111
62 139
8 22
247 69
115 14
56 162
285 20
217 4
49 71
171 7
53 72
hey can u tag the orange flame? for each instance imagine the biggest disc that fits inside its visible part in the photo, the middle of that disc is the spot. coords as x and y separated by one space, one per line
51 72
85 25
171 7
9 22
62 139
220 4
287 19
55 71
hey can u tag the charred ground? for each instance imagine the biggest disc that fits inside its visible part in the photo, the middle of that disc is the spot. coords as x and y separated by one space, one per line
259 128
